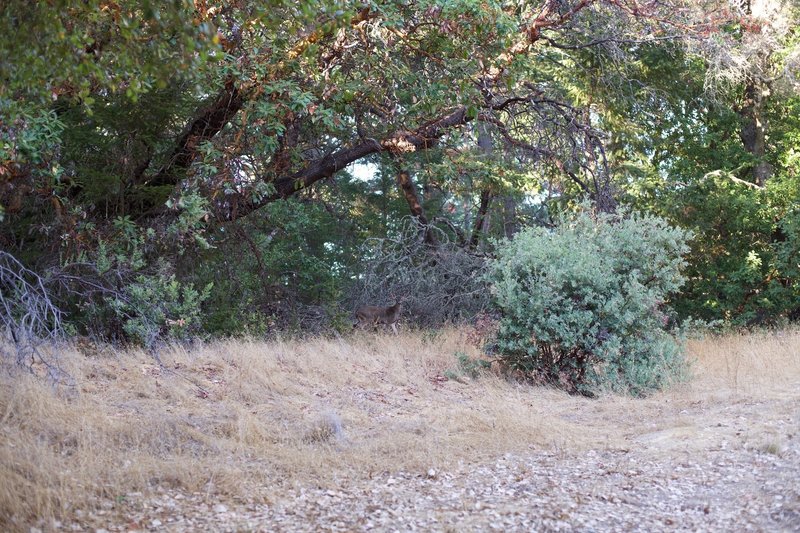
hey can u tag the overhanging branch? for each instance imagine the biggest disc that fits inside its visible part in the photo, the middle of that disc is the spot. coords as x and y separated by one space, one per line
205 126
423 138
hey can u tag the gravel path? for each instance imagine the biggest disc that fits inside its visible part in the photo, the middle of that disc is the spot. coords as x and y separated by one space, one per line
742 490
719 455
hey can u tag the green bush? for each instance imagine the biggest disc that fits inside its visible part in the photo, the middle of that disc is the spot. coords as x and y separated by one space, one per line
159 307
583 306
467 366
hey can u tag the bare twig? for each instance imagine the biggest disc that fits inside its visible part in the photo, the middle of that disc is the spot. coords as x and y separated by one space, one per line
32 327
438 286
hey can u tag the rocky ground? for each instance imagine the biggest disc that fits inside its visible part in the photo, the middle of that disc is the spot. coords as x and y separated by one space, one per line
694 477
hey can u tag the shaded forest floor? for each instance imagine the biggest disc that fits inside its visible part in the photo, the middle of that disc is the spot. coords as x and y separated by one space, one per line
367 432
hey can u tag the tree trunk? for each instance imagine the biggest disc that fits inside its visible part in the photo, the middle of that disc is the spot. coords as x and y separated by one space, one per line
485 147
410 194
754 128
481 220
510 224
753 113
205 126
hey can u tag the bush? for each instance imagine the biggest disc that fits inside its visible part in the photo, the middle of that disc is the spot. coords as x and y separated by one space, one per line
440 285
743 267
584 305
159 307
282 271
31 325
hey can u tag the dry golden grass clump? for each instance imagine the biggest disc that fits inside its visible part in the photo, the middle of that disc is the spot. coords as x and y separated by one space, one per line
245 418
765 364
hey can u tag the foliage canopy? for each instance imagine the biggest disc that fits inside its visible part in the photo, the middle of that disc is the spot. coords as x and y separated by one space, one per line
237 155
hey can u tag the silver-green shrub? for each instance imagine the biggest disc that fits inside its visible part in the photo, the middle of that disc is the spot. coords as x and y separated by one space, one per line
584 305
157 307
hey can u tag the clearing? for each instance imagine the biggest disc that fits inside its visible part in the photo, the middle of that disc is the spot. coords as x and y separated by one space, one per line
368 433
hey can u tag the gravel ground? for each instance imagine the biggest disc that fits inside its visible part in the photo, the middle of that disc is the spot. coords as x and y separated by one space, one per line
721 454
741 490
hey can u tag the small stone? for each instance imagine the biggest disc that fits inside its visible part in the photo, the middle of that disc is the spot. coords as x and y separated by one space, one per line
431 473
219 508
156 523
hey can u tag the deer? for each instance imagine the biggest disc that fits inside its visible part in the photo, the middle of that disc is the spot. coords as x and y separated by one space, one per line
372 314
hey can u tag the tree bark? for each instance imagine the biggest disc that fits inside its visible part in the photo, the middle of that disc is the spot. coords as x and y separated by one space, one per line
480 217
205 126
510 224
486 147
754 129
409 192
753 112
423 138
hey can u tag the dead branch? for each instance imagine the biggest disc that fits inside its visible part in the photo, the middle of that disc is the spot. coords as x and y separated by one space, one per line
437 287
32 327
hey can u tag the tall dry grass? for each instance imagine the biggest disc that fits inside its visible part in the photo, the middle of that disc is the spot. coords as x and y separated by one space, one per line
766 364
245 419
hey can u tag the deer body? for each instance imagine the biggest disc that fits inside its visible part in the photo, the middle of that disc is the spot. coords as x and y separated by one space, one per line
371 314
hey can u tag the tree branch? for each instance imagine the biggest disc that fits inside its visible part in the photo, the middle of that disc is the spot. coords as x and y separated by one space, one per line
423 138
206 125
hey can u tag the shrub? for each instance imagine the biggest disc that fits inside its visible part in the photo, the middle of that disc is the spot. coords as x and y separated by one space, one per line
467 367
440 285
743 268
282 271
159 307
31 325
584 305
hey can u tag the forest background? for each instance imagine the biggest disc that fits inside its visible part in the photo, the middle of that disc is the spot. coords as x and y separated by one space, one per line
180 170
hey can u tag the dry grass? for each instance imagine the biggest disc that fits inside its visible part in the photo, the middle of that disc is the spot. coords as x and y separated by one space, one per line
245 419
762 364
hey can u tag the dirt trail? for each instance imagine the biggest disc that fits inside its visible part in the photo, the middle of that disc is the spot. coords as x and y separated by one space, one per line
667 464
689 477
368 434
